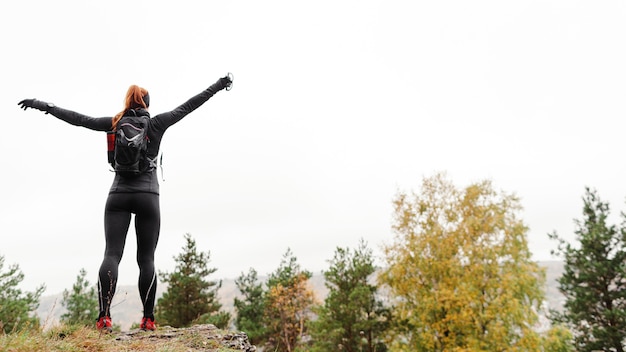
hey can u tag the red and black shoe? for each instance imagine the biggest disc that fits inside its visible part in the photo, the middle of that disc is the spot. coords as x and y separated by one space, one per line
147 324
104 324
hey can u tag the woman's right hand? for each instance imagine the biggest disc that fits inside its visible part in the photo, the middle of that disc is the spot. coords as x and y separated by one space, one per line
227 81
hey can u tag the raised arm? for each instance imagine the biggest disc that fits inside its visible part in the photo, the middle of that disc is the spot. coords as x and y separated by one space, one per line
71 117
165 120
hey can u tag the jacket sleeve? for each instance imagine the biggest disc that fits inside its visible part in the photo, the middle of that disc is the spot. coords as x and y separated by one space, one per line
165 120
77 119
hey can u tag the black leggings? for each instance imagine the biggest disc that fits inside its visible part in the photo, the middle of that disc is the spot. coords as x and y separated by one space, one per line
117 215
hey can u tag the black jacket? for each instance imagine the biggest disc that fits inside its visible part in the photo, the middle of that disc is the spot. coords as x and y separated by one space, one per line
157 125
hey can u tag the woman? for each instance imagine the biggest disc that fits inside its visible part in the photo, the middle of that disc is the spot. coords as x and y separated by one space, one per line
137 195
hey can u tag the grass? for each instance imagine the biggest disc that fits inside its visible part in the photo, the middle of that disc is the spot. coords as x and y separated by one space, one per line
65 338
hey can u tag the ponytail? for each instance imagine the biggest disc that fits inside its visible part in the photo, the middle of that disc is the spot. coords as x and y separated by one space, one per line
134 100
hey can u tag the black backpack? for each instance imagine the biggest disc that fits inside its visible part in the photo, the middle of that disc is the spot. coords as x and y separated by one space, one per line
129 157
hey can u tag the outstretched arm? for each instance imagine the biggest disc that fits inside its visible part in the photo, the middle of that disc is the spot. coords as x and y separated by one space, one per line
71 117
165 120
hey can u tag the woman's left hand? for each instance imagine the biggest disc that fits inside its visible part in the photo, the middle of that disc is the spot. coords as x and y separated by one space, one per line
35 104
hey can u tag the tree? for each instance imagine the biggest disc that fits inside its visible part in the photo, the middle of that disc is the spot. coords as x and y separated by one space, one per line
81 303
558 339
287 305
352 318
594 279
250 307
220 319
189 296
459 271
16 307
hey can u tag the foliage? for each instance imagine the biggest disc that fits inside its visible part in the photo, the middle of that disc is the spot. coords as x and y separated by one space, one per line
287 305
189 294
352 318
16 307
558 339
251 306
220 319
460 272
594 279
81 303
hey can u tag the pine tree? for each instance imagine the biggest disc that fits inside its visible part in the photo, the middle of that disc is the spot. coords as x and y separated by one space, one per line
594 279
250 307
16 307
81 303
288 305
460 273
352 317
190 297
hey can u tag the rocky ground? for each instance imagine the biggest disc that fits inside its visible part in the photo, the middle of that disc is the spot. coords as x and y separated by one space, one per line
195 338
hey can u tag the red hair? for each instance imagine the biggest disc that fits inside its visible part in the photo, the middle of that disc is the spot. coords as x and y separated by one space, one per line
134 100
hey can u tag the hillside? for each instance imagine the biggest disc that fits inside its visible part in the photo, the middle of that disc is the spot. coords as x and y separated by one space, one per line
126 308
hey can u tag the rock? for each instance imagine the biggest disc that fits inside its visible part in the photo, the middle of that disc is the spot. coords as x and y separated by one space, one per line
197 337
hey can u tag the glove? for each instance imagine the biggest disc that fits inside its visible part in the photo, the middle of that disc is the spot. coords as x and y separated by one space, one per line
227 81
35 104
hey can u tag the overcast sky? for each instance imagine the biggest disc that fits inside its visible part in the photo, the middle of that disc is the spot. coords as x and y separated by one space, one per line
337 105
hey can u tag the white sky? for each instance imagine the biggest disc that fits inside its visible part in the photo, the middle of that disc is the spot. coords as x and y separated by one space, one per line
336 106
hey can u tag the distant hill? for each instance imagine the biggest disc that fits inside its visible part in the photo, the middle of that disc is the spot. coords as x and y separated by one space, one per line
127 310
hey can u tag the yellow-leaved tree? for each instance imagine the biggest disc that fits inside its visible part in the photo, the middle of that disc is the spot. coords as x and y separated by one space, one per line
459 271
288 304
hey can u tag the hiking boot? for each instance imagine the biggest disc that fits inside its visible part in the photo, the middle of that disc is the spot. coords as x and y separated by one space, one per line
104 324
147 324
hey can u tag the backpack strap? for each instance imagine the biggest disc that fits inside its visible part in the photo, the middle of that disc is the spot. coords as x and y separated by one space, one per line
152 162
